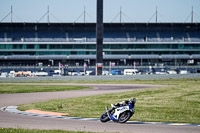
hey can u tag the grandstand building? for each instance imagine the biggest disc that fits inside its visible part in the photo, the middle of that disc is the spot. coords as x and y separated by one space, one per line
125 44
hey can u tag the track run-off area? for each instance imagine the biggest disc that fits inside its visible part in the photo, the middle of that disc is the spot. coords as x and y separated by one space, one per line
11 120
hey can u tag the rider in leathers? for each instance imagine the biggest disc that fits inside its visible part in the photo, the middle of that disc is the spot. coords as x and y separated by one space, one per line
132 101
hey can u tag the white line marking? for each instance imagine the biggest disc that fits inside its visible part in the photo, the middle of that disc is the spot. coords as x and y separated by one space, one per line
177 124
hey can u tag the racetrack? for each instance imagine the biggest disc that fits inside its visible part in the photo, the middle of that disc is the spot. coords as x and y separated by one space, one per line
32 122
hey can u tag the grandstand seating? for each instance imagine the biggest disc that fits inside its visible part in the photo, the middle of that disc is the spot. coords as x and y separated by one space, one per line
111 35
1 37
124 43
44 36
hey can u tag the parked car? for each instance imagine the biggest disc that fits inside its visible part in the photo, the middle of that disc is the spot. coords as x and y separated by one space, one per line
131 72
82 73
172 72
105 73
73 73
183 72
115 72
41 73
11 74
88 72
4 75
161 73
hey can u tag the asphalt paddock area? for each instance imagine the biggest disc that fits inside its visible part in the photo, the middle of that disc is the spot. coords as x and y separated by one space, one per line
10 120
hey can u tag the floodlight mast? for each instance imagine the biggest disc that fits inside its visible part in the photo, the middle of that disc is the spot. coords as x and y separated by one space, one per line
99 38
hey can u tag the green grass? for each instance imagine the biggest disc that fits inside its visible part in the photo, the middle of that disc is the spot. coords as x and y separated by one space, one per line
137 81
37 88
14 130
179 102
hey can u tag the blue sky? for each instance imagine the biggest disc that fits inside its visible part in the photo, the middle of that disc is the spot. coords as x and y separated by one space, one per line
70 10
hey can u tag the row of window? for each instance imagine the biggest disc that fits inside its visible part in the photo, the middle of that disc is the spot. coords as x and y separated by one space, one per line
93 52
105 46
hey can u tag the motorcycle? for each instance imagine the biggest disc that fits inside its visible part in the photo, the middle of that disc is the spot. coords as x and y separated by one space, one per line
120 114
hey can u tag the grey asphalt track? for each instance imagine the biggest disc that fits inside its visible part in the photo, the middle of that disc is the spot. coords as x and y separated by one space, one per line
22 121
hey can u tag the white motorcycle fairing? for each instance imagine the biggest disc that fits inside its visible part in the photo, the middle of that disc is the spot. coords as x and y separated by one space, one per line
118 111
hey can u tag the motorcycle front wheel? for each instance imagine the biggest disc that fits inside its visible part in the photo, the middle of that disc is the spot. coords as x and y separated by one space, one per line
124 117
104 117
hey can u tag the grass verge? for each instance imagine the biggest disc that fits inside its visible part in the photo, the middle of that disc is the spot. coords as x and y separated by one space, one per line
37 88
14 130
179 103
137 81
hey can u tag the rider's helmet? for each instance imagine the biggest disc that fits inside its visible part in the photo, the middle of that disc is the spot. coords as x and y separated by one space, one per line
132 100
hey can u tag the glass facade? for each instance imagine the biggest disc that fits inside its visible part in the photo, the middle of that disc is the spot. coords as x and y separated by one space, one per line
124 43
90 49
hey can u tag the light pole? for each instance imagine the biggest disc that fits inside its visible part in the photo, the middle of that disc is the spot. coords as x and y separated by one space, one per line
99 38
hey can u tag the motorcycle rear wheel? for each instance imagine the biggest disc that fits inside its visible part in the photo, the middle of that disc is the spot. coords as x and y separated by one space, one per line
124 117
104 117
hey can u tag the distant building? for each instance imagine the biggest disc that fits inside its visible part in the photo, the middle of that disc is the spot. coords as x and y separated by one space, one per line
74 44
